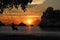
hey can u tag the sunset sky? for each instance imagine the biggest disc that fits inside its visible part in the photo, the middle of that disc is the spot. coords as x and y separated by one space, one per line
33 13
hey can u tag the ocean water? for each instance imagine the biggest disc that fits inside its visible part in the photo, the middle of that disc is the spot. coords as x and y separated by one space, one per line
31 30
21 30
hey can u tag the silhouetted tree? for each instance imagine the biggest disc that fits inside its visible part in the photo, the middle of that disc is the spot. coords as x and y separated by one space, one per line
50 18
48 13
10 3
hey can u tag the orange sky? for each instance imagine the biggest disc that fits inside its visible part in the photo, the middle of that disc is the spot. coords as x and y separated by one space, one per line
18 16
19 19
32 10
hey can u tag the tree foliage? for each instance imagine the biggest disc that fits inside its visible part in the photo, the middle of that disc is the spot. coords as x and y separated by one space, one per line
50 18
10 3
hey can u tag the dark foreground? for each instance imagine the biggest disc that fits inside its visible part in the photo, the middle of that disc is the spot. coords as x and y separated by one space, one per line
28 37
33 33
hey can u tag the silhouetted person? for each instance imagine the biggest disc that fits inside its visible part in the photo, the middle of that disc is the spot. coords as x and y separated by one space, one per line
14 27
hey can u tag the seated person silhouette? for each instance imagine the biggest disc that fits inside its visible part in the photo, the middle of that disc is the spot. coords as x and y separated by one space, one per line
14 27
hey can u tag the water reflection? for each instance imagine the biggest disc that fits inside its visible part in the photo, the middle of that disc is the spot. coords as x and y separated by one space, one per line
29 29
21 29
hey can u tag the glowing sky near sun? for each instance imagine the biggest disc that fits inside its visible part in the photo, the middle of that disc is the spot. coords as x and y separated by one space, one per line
18 16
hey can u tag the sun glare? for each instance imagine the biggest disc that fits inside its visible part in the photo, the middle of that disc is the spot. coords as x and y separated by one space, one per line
29 22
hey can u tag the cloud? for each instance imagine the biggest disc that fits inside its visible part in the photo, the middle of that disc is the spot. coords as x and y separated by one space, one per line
37 2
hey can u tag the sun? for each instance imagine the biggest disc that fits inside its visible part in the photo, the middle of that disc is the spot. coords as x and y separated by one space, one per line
29 22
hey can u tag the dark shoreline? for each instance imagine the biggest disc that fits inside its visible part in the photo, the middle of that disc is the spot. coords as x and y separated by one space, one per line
27 37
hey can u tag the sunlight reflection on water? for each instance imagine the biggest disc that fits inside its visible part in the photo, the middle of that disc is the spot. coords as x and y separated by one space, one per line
21 29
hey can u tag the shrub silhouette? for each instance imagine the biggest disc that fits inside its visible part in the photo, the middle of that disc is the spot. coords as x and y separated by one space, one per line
21 24
50 18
